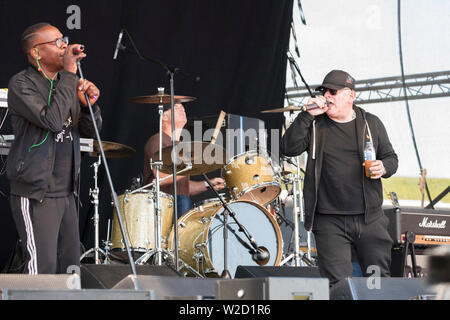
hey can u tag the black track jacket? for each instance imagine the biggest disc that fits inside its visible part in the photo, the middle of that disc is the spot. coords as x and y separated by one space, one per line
29 170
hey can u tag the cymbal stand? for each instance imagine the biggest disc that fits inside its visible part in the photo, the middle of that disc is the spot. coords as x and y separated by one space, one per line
158 218
94 193
107 244
298 212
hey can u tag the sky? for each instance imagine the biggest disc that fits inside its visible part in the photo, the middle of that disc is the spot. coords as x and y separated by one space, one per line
361 37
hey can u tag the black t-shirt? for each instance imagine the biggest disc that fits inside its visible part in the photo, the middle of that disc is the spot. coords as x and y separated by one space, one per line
61 183
340 187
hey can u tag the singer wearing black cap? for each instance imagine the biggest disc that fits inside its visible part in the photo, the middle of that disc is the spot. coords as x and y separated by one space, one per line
343 207
43 164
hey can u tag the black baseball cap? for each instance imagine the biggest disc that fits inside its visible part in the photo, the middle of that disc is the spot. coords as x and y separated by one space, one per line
337 79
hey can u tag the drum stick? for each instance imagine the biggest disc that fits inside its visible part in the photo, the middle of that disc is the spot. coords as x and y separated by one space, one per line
218 125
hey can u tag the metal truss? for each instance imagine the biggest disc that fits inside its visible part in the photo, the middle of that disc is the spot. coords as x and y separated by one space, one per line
389 89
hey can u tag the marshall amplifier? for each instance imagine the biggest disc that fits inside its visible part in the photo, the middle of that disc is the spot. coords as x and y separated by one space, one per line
430 227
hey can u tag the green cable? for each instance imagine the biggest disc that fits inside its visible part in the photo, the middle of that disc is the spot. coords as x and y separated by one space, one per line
48 103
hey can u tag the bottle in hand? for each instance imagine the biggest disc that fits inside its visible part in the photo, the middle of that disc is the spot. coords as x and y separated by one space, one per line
369 157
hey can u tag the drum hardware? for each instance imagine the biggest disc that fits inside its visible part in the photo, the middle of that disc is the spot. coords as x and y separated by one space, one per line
191 165
201 244
158 250
259 254
111 185
107 244
151 184
298 214
111 150
94 194
160 100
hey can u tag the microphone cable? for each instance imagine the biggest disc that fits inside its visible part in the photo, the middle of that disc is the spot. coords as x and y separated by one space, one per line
408 112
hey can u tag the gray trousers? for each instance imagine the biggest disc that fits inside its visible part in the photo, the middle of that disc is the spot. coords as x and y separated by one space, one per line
49 232
335 235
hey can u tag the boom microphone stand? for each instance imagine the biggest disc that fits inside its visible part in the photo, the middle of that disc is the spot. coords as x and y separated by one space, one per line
116 201
259 254
171 70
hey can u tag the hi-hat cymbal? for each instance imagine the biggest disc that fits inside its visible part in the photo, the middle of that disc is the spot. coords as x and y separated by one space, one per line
280 110
204 157
161 99
112 150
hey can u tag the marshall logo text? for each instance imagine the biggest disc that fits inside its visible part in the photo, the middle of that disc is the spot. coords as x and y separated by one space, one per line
432 224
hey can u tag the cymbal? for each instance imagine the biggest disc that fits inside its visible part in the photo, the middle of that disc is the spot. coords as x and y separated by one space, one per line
204 157
161 99
112 150
281 110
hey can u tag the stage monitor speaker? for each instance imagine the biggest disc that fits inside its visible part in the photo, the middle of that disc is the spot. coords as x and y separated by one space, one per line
273 288
106 276
84 294
171 287
270 271
40 281
372 288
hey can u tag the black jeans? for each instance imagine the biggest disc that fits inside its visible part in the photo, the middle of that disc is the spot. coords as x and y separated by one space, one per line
335 234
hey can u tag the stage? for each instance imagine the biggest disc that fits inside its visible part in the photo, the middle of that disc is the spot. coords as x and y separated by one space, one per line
115 282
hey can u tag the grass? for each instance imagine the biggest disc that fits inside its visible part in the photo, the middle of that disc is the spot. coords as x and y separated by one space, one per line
407 188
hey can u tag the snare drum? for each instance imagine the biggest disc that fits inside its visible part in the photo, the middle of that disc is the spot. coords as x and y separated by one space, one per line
201 243
250 176
138 217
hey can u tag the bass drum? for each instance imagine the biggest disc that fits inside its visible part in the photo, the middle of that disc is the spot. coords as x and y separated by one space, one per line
201 242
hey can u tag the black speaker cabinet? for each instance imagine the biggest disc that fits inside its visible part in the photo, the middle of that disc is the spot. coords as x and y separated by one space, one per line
106 276
380 289
270 271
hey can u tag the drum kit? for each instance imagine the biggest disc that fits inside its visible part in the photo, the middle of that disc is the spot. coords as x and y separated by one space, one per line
218 234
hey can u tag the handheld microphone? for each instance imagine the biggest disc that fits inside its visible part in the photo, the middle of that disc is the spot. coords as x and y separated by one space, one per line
118 45
78 49
261 256
312 106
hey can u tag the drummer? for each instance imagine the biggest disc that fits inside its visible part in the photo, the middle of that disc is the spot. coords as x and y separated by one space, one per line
185 186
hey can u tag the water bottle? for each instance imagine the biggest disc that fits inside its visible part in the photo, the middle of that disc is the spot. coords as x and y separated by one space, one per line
369 157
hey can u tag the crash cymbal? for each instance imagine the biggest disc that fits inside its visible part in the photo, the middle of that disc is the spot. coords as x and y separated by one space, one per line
112 150
281 110
202 156
161 99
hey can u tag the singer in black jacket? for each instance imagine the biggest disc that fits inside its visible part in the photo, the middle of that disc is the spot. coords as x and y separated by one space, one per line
43 164
342 206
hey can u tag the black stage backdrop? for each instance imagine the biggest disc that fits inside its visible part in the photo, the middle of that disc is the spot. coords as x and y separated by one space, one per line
237 49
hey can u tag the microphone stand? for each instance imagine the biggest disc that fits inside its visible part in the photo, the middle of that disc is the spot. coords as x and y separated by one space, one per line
116 201
228 210
171 70
298 209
